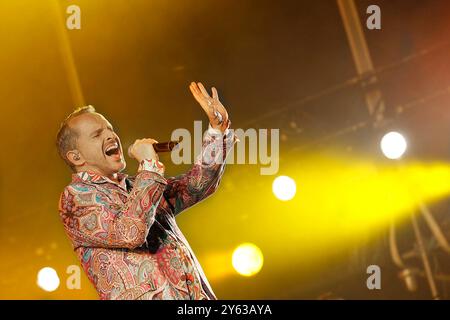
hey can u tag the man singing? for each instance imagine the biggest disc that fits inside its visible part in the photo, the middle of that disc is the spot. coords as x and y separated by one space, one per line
123 228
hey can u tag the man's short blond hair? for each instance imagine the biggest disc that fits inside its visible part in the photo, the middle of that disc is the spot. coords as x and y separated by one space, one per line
66 139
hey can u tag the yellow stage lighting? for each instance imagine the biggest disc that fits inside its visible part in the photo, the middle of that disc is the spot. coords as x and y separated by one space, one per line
284 188
47 279
247 259
393 145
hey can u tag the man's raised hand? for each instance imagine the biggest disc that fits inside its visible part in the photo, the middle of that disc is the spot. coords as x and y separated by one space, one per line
216 112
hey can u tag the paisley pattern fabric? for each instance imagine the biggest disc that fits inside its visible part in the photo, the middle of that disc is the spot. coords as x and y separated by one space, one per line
125 233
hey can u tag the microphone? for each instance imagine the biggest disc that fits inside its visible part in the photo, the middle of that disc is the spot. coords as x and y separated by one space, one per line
159 147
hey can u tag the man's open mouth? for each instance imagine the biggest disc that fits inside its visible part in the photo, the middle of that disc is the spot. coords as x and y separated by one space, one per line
112 150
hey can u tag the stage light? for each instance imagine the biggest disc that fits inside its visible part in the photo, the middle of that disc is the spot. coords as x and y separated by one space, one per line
247 259
393 145
284 188
47 279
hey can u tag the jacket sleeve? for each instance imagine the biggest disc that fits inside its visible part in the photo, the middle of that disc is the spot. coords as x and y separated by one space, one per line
92 220
204 177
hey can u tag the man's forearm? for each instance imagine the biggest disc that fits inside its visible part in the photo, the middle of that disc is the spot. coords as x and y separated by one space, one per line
204 177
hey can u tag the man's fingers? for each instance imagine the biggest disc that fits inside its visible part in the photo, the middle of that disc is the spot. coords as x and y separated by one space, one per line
191 87
214 93
198 97
150 140
201 95
194 88
203 90
145 140
196 92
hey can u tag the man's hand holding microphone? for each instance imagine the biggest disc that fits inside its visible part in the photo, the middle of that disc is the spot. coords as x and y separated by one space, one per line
142 149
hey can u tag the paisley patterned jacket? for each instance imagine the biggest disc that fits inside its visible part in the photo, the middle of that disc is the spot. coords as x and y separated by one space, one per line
125 233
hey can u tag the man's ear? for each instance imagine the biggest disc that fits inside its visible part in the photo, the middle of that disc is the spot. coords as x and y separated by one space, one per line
75 158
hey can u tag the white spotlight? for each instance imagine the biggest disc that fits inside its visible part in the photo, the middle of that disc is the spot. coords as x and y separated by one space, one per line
284 188
47 279
247 259
393 145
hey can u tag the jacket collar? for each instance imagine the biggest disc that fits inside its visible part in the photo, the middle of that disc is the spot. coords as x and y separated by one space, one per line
91 177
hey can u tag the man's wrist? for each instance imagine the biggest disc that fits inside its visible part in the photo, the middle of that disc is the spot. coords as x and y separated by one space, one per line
152 165
216 131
